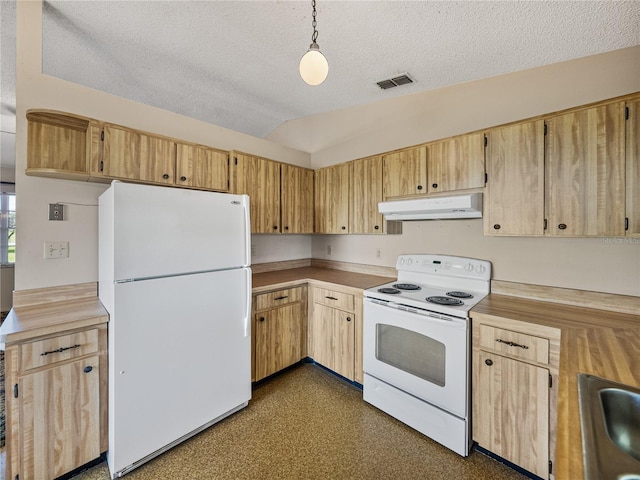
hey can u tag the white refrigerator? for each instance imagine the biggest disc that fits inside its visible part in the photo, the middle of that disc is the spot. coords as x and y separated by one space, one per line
175 276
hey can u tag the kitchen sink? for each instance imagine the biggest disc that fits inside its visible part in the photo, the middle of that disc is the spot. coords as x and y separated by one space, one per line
610 420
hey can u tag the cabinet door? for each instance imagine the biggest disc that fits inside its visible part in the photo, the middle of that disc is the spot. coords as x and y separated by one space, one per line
332 339
131 155
278 339
456 164
366 192
260 179
332 199
405 173
59 407
514 195
513 411
202 167
297 199
585 172
633 168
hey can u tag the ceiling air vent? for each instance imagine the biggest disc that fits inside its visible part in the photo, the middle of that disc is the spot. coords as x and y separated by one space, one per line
395 82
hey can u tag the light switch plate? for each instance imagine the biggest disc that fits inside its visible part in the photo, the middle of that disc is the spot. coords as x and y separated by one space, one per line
56 250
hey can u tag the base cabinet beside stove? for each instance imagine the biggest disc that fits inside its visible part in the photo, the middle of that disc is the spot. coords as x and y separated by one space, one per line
279 330
335 326
514 391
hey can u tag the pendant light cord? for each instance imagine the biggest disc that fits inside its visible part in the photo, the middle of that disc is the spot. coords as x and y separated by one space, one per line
314 23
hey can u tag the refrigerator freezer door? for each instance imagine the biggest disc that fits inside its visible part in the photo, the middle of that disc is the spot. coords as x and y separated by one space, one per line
179 357
161 231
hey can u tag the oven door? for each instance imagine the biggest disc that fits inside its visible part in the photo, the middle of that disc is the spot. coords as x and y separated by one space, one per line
424 356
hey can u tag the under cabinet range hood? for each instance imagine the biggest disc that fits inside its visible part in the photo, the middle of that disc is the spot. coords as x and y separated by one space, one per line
433 208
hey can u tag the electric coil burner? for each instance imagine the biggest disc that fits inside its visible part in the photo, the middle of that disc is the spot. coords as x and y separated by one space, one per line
445 301
416 343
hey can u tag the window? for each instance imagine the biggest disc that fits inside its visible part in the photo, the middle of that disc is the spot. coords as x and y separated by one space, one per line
7 228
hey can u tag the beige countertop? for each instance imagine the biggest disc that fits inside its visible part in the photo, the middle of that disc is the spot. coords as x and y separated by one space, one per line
602 343
27 322
285 278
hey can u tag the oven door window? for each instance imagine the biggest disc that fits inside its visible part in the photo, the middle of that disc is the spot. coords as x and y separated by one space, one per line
411 352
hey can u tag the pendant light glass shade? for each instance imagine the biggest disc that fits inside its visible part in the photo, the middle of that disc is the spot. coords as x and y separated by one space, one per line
314 67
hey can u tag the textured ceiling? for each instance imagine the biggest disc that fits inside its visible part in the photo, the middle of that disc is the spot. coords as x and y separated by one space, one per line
235 63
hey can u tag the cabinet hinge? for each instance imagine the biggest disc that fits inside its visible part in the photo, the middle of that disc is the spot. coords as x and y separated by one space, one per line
626 223
486 178
101 166
485 141
545 128
15 391
235 160
102 136
626 113
550 466
545 224
550 381
17 477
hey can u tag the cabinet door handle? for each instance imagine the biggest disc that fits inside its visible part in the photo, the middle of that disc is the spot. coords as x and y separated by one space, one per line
512 344
376 227
88 369
165 176
497 226
348 319
281 297
562 226
434 185
331 298
344 228
488 361
183 178
419 187
262 319
59 350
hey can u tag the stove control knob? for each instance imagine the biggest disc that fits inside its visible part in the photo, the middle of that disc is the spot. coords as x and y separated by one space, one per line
409 261
401 260
480 268
469 267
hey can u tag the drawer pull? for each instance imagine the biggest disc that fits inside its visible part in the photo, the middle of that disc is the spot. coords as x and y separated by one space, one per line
489 362
281 297
331 298
511 344
87 369
60 350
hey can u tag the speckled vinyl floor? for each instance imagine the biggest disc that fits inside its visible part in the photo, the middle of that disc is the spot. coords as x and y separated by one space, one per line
309 424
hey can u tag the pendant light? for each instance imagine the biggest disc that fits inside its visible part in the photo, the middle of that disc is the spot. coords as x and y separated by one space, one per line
313 65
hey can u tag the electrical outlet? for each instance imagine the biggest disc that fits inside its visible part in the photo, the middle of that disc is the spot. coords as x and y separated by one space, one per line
56 211
329 249
56 250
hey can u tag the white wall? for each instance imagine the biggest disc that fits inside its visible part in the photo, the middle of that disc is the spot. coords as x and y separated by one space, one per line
599 264
35 90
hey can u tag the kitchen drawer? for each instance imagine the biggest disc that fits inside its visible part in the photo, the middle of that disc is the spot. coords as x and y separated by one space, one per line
56 349
266 301
514 344
333 298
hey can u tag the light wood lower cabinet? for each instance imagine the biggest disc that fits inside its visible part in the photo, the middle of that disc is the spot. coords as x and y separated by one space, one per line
279 329
335 331
515 371
56 403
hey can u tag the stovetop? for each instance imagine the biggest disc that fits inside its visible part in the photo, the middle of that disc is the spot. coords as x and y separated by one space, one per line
438 283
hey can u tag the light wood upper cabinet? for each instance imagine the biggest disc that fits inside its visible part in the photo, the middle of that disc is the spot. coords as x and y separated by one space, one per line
585 172
260 179
405 173
296 190
514 195
59 145
633 168
132 155
456 164
332 199
366 192
202 167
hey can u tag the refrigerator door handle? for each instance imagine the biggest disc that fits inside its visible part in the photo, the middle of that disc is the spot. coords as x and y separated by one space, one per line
247 315
247 226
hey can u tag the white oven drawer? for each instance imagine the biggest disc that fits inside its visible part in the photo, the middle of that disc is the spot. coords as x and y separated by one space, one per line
426 357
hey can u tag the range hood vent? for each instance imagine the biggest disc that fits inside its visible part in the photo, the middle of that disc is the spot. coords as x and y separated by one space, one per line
433 208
